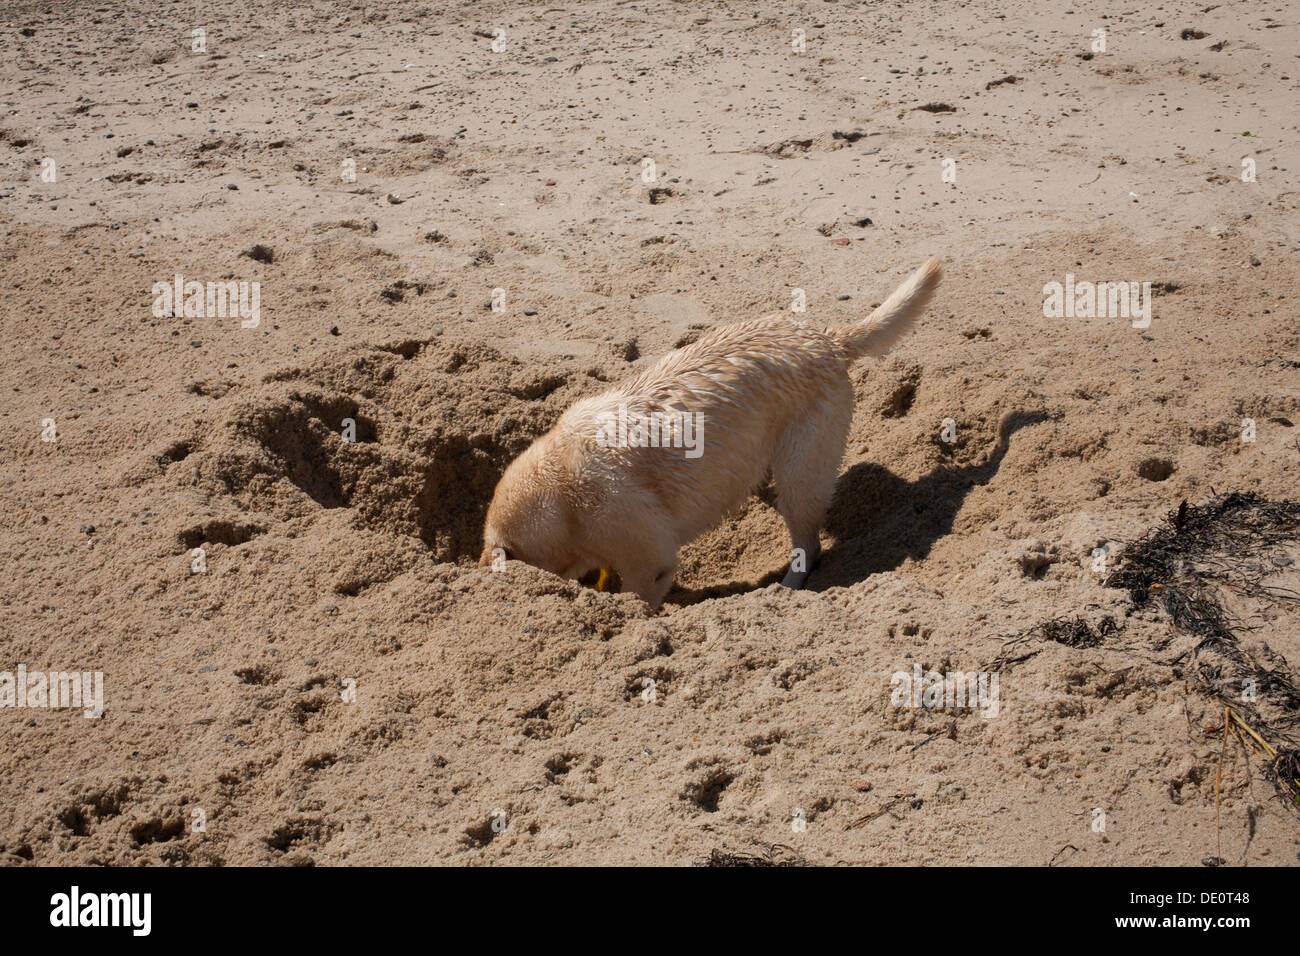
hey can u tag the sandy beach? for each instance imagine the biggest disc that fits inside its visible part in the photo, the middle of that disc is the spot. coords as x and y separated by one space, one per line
286 286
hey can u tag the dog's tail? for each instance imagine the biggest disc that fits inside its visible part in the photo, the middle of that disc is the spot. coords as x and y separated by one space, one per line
878 332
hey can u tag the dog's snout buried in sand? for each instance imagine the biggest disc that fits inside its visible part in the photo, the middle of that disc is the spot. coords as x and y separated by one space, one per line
625 479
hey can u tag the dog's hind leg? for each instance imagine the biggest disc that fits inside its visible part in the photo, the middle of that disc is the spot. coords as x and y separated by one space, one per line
804 470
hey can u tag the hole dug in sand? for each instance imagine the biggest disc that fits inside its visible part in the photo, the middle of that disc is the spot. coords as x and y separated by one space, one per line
434 428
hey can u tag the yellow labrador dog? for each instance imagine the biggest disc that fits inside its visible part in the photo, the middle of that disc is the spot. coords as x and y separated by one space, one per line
626 478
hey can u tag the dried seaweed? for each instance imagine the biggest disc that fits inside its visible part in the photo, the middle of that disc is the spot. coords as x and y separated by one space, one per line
1070 631
774 854
1230 543
1233 543
1226 543
1074 632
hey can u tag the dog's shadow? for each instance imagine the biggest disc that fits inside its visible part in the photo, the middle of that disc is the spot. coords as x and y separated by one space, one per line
879 520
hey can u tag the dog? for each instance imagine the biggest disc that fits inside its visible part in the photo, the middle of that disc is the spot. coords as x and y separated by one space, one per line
626 478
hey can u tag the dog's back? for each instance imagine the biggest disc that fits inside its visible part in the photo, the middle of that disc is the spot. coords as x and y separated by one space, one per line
746 385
